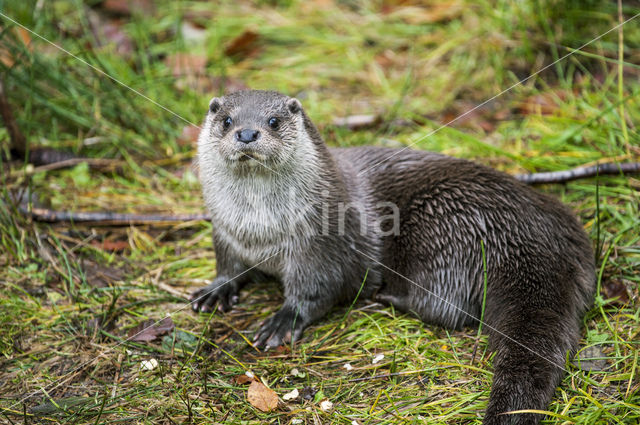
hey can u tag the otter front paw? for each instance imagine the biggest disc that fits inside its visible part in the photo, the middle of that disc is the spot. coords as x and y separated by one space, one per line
221 291
284 326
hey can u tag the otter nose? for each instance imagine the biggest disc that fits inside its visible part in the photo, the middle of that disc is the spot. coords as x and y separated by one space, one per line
247 135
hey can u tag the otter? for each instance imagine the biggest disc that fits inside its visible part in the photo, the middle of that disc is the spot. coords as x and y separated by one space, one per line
415 229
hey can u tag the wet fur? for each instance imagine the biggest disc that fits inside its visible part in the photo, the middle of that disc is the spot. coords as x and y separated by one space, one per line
539 261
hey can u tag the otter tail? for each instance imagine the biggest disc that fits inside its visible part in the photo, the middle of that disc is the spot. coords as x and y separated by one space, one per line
531 336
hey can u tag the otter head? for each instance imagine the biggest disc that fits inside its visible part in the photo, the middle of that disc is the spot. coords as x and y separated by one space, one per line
253 130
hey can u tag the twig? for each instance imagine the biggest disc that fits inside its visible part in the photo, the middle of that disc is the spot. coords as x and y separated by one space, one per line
103 164
580 173
107 218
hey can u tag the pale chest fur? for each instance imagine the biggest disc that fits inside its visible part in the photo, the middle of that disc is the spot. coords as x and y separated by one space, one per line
261 218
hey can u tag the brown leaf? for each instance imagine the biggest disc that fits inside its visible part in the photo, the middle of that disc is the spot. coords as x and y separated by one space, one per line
261 397
115 246
24 36
21 35
423 12
127 7
165 325
592 358
386 59
616 290
246 44
541 104
468 115
243 379
109 31
308 393
186 64
113 34
100 275
149 330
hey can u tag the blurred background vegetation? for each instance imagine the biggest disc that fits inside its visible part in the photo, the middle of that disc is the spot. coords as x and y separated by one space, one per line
72 293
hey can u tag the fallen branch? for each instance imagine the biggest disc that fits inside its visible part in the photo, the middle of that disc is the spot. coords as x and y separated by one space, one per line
107 218
610 168
100 164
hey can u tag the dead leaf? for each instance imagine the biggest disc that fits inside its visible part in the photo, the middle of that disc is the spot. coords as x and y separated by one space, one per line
21 36
53 406
261 397
100 275
115 246
463 114
108 31
308 393
423 12
541 104
128 7
244 45
616 291
149 330
386 59
592 358
186 64
24 35
243 379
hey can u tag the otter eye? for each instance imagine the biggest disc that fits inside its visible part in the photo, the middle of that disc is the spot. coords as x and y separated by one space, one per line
274 123
226 123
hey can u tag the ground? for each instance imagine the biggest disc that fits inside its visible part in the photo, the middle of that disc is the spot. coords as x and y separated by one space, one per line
72 294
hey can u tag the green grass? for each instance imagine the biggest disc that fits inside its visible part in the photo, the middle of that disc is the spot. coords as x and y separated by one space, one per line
68 299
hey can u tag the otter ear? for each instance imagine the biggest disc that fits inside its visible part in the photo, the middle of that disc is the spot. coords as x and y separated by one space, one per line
294 105
215 104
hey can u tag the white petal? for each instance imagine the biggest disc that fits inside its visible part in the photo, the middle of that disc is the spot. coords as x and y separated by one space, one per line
326 405
377 358
149 364
291 395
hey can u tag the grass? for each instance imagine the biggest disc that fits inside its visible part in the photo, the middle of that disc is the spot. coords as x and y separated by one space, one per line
72 293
